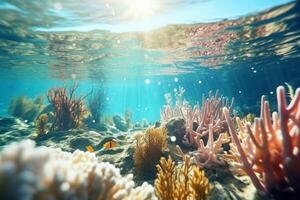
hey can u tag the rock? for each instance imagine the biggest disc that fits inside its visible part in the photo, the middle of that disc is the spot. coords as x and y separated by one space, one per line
220 193
13 130
121 157
8 121
120 123
71 140
176 127
112 129
91 123
157 124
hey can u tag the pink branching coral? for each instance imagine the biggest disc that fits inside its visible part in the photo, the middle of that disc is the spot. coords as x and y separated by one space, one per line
270 147
201 122
207 155
209 114
68 111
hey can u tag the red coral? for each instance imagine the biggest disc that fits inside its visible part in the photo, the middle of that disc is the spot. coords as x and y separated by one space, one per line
68 111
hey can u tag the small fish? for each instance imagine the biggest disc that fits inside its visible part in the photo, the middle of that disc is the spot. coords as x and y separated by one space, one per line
90 149
110 144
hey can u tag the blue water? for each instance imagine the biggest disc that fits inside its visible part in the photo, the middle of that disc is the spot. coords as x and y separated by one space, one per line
244 57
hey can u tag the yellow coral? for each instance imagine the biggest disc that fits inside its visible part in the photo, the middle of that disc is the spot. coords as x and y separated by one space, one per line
148 150
41 124
186 182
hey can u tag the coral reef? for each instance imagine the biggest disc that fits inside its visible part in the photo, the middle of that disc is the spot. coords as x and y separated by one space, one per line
209 114
25 108
148 150
69 111
29 172
197 119
204 126
120 123
185 182
270 146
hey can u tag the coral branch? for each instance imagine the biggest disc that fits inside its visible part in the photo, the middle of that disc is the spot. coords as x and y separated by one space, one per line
185 182
207 156
271 147
68 111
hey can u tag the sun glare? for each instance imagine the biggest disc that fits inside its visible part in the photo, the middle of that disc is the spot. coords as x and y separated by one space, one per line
142 9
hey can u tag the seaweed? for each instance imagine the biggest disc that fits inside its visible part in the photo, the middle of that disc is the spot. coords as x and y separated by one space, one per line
25 108
148 150
41 124
96 104
69 111
128 118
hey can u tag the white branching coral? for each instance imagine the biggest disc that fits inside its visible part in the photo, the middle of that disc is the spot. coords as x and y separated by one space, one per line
29 172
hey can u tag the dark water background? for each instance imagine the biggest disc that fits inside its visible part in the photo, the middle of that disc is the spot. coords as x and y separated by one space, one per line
243 58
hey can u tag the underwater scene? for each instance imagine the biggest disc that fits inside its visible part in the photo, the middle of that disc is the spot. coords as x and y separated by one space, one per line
149 100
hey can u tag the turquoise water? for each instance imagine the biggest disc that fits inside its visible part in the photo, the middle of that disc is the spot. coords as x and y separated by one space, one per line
96 94
46 44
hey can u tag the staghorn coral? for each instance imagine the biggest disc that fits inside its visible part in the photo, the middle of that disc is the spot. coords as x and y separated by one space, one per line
208 155
209 114
41 124
202 124
69 112
148 150
270 146
29 172
197 118
185 182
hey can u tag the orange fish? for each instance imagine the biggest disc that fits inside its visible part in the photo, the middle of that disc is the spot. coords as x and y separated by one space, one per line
90 149
110 144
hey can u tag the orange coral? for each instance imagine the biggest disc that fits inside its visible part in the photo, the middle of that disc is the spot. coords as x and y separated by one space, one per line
69 112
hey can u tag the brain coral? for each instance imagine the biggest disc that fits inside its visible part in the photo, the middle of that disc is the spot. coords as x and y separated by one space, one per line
30 172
